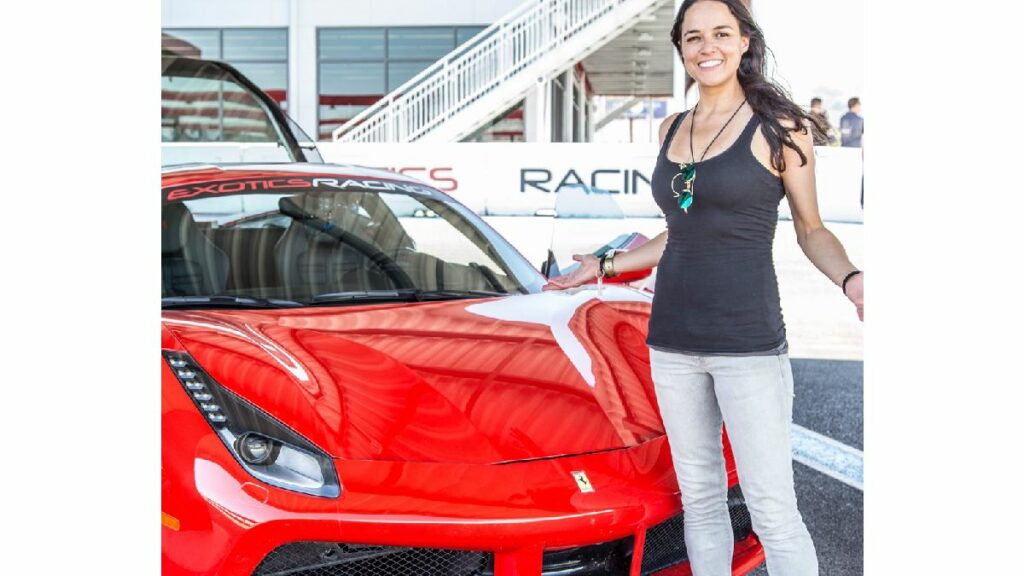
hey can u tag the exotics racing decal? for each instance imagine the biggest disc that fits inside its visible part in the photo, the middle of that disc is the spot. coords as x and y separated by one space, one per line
252 185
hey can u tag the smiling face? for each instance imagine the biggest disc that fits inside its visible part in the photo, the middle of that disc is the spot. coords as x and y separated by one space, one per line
711 43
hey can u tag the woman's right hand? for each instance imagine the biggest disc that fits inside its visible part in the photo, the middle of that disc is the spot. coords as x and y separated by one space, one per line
585 272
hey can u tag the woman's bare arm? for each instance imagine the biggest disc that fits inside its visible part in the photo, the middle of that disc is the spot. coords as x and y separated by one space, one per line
646 256
820 246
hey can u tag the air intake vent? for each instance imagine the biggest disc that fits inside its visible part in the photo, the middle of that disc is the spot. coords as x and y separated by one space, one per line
594 560
334 559
664 546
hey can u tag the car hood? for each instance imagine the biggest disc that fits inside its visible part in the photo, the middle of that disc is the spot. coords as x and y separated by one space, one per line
469 381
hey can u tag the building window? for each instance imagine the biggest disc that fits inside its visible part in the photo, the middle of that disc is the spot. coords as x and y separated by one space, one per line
261 54
358 66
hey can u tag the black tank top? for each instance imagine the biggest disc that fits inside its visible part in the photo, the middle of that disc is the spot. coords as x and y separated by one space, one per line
716 290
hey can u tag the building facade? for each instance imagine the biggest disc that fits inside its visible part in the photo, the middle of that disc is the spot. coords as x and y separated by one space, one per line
326 61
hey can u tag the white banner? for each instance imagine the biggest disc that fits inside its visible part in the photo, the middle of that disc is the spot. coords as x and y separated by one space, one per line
522 178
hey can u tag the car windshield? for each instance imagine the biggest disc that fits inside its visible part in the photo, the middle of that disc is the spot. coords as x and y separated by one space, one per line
260 242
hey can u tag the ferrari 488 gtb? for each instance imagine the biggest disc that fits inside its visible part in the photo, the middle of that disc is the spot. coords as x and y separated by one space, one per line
361 377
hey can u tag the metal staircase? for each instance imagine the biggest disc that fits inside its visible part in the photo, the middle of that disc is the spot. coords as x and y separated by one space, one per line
463 91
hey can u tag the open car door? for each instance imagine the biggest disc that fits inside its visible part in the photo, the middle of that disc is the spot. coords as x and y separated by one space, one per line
211 112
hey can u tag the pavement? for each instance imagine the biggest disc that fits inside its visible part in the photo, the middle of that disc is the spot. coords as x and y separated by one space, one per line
826 349
829 401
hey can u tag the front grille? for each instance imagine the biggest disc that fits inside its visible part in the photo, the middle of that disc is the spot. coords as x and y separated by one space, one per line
739 514
664 546
334 559
594 560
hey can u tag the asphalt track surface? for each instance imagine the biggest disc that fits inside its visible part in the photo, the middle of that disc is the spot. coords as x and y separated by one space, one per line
829 401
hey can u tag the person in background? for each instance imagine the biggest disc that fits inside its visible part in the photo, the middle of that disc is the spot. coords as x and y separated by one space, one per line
821 131
851 125
717 340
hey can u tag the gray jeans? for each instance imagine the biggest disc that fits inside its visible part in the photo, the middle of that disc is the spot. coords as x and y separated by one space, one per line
753 395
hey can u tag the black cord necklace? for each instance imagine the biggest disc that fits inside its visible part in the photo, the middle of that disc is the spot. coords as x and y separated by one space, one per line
688 170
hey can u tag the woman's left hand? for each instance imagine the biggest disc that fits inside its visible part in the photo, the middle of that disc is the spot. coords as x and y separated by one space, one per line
855 292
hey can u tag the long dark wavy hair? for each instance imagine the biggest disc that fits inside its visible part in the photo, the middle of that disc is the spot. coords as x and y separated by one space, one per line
768 100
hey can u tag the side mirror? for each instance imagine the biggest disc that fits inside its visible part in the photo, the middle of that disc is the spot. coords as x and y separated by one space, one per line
549 268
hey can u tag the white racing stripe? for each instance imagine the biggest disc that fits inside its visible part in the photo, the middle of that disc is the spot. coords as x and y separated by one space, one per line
832 458
555 309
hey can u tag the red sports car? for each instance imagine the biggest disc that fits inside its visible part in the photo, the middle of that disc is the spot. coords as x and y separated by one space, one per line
361 377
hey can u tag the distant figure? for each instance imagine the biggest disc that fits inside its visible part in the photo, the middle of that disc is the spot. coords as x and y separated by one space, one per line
821 131
851 125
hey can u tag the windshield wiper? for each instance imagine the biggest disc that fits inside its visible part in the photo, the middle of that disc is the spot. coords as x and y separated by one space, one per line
225 301
452 294
403 295
364 295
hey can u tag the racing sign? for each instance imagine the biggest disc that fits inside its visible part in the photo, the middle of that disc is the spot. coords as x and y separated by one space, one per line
524 179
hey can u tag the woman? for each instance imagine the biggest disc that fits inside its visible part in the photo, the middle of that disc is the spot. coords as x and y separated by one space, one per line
717 338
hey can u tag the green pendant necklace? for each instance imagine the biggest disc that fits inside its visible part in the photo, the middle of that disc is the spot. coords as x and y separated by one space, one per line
688 170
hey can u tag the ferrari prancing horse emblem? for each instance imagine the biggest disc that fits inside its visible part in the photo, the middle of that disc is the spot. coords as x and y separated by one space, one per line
582 481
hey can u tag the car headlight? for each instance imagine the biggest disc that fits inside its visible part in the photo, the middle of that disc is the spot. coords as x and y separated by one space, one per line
265 447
